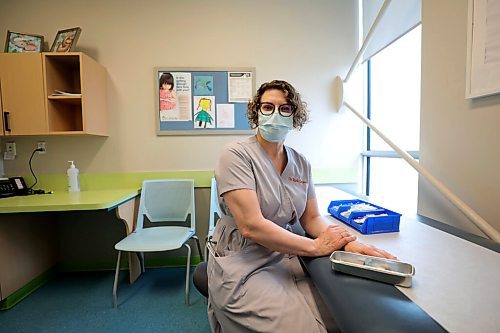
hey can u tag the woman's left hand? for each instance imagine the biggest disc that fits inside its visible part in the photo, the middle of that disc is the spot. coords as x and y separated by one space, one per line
367 249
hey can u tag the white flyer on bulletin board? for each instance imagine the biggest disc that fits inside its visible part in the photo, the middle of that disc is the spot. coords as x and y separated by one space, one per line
239 87
225 116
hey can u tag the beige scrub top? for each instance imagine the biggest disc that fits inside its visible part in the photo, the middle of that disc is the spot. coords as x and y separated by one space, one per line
251 288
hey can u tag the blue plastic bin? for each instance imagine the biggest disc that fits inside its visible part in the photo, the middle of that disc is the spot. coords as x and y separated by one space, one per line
372 224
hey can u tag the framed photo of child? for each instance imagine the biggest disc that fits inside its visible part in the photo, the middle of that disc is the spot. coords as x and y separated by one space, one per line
20 42
65 40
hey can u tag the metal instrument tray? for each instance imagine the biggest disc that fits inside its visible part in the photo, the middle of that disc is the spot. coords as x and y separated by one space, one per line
379 269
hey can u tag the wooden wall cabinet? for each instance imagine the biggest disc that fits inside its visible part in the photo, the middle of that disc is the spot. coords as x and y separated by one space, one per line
52 94
84 111
22 94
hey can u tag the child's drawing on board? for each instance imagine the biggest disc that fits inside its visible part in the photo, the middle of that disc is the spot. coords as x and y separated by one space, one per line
203 116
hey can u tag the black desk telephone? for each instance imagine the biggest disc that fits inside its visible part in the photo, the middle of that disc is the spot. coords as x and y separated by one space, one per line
12 186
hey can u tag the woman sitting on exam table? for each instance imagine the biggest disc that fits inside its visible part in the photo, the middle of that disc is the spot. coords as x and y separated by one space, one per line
255 280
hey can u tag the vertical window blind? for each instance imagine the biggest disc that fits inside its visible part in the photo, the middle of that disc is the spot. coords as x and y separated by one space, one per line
400 17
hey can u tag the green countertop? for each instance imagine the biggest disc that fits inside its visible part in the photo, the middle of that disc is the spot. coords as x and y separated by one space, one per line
62 200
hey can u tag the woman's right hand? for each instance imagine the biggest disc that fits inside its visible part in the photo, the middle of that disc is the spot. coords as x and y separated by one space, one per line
333 238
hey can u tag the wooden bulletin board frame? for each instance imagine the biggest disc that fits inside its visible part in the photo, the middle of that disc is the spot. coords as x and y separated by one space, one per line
203 101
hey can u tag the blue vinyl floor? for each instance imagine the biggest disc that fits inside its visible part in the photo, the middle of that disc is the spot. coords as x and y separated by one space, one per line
82 302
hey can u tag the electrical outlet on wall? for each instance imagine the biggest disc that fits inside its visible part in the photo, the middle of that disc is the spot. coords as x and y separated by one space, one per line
41 145
10 147
10 151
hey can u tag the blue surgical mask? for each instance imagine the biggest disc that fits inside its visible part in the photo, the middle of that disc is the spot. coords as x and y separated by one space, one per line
274 128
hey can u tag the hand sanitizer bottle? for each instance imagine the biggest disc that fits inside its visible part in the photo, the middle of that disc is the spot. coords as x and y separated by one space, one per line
73 175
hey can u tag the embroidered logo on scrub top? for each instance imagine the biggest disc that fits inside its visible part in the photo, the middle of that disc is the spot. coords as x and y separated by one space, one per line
297 180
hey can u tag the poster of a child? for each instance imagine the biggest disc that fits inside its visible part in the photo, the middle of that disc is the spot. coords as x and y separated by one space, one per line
168 99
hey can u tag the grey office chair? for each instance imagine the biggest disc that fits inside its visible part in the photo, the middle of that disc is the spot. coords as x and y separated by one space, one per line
162 200
215 212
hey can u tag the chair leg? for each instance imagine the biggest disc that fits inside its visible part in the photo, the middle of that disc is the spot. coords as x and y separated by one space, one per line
206 248
140 256
188 264
115 284
199 246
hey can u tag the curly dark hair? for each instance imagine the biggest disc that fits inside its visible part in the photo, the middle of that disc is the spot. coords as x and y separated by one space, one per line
301 114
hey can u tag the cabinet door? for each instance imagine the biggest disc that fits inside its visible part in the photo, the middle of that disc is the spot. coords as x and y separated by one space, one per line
1 114
23 100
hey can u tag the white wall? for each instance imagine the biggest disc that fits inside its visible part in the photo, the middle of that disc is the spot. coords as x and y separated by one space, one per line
304 42
459 138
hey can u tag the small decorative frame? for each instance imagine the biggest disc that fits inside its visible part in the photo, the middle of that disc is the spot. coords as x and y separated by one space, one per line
22 42
65 40
483 49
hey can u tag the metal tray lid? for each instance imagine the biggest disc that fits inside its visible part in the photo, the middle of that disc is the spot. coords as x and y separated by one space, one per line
382 265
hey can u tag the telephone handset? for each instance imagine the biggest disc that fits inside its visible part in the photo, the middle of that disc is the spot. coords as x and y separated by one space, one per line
13 186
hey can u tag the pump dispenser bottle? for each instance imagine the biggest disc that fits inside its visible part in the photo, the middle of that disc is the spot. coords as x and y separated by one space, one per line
73 178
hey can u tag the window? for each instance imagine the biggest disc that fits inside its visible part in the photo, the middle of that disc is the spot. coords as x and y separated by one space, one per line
393 105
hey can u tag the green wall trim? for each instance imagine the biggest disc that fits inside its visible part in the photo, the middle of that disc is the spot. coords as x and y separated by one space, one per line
105 181
80 266
108 265
27 289
202 178
171 262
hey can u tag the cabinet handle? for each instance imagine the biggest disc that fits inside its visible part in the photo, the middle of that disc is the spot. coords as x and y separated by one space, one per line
6 121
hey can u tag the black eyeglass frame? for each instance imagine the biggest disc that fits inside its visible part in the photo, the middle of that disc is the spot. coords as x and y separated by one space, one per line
259 106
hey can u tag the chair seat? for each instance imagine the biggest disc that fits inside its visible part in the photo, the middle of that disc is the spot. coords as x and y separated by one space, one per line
155 239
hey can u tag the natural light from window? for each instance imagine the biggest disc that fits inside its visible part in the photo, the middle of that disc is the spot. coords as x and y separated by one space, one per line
395 110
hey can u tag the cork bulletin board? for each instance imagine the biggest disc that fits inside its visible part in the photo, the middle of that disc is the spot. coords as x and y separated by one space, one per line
203 101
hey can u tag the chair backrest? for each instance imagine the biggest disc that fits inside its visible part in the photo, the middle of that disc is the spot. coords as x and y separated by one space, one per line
214 207
165 200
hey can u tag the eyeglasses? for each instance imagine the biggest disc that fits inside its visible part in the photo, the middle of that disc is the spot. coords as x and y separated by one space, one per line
285 110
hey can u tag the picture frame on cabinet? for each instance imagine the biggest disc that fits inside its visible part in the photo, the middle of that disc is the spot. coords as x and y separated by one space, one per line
18 42
65 40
